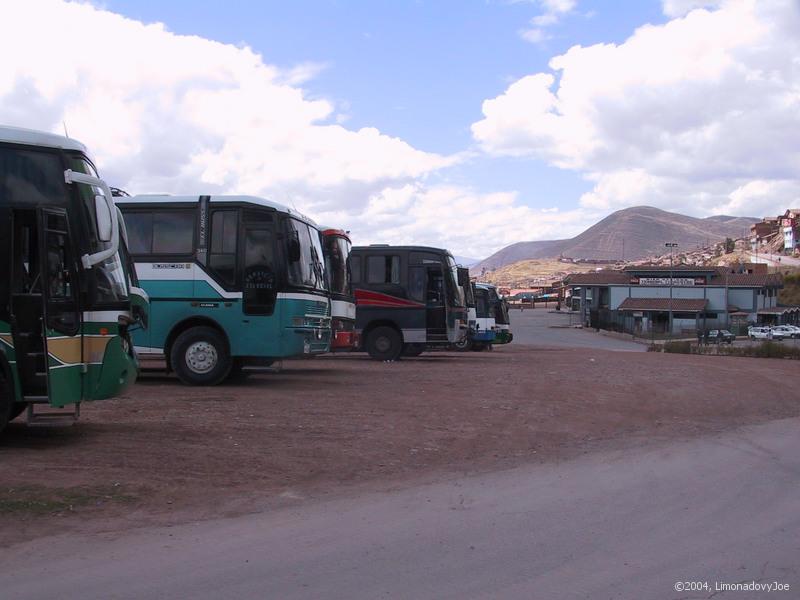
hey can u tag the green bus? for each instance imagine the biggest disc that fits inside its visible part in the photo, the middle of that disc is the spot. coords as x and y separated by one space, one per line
234 281
65 290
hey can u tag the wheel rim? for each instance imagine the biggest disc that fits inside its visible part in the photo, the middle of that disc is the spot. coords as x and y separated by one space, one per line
383 344
201 357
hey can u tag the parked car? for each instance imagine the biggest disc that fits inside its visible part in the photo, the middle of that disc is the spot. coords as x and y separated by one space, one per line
764 333
789 331
721 335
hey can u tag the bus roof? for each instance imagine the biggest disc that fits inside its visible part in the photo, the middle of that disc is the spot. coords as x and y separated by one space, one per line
31 137
169 199
334 231
410 248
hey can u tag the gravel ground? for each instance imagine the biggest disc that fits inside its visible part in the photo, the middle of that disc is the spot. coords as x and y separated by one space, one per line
169 453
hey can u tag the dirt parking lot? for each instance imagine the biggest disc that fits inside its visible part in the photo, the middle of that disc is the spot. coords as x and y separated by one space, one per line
169 453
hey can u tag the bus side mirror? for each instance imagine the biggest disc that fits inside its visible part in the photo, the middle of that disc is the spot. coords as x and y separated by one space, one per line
294 247
463 277
105 225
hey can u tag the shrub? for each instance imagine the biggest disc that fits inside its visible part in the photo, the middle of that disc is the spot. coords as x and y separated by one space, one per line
678 347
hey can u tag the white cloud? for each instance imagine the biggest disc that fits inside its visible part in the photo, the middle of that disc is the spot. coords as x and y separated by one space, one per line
553 11
468 222
692 115
177 113
679 8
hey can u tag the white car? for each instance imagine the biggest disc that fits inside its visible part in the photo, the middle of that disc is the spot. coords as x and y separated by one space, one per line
789 331
764 333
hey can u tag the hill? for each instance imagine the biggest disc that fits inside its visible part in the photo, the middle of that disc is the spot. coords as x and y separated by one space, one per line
630 234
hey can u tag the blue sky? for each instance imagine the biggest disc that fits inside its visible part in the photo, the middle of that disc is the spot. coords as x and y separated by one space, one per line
418 70
466 125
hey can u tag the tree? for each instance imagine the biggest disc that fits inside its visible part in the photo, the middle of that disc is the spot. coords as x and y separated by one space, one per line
730 245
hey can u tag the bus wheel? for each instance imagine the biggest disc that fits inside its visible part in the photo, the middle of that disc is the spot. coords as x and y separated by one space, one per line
384 343
200 357
6 403
464 345
413 349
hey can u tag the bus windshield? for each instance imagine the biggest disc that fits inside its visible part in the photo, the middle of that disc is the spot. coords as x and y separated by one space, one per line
337 264
110 281
309 271
455 293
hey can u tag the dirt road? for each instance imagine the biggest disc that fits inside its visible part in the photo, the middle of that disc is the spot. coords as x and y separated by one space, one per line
623 524
169 453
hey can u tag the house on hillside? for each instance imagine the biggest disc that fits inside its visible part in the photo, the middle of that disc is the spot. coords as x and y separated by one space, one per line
790 228
763 232
642 299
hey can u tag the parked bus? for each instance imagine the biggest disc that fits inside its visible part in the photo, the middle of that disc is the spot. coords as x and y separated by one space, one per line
336 247
484 330
498 307
468 287
408 298
65 296
233 281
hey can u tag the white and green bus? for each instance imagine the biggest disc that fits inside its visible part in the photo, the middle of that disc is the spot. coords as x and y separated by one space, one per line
233 281
65 294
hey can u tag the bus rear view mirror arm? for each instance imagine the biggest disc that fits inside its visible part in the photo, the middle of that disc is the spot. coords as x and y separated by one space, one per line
88 260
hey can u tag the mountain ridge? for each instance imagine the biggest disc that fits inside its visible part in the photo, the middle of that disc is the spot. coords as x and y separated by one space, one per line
629 234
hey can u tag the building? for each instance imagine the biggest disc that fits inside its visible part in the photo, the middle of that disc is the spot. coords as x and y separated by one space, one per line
644 299
790 228
763 232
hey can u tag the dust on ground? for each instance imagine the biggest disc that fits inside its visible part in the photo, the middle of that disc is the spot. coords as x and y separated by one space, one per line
169 453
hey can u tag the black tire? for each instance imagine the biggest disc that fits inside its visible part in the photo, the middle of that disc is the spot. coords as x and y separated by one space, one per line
6 402
465 345
384 343
237 372
413 349
200 356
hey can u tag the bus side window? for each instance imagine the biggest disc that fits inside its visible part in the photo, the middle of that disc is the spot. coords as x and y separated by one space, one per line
222 254
173 232
355 269
140 232
416 283
383 269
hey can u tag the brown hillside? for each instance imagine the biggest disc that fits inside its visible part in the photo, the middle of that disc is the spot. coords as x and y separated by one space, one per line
633 234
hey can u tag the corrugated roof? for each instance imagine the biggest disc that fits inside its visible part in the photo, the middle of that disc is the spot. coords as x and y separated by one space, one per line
678 304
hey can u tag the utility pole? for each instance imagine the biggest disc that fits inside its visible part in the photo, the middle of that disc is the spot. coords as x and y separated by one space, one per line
671 246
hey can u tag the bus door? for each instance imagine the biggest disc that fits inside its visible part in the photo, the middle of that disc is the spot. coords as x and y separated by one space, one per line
435 304
259 285
63 339
45 316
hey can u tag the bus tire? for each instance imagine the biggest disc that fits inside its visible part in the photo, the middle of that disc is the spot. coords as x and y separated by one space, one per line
464 345
384 343
200 356
413 349
6 402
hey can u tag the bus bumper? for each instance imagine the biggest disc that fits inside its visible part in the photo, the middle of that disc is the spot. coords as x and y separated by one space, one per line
503 337
312 340
344 340
484 336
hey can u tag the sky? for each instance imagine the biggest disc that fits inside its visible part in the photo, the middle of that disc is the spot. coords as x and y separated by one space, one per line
463 124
